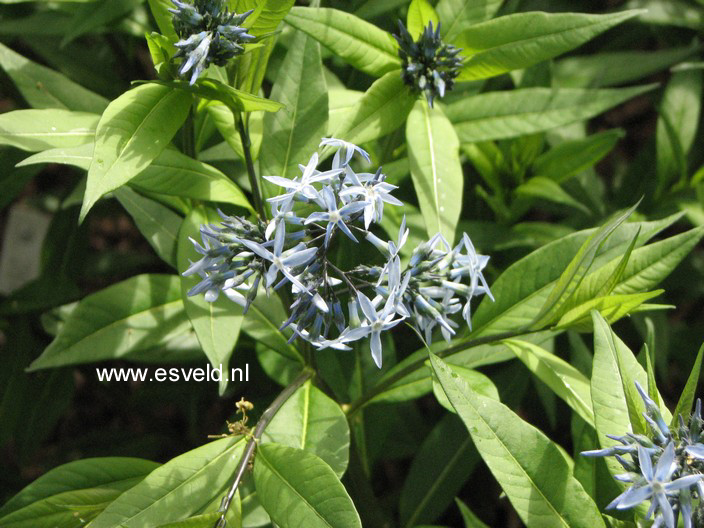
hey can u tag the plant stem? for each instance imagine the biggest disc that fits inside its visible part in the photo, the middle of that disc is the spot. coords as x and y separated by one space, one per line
246 145
189 135
263 422
356 405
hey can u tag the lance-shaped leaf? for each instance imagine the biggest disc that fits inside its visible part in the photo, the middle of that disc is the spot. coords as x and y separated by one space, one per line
468 516
458 15
684 405
176 490
311 421
363 45
163 18
599 70
297 488
520 40
570 157
157 222
381 110
263 322
43 87
531 469
611 307
442 465
214 90
500 115
420 13
670 13
37 130
678 124
294 133
433 151
217 324
564 380
525 285
132 132
577 269
547 189
136 314
263 22
171 173
617 405
115 474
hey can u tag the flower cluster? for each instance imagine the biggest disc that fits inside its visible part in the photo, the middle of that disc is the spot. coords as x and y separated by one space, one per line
332 307
209 33
666 467
428 65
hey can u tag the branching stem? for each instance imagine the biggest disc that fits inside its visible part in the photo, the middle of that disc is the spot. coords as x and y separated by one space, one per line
356 405
263 422
246 147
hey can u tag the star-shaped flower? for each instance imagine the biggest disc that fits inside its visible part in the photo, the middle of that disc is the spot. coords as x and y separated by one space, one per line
655 484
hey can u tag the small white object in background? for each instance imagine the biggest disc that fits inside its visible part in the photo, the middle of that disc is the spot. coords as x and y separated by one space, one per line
21 247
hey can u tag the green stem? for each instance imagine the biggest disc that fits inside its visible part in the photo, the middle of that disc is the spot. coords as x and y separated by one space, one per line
246 147
263 422
189 135
356 405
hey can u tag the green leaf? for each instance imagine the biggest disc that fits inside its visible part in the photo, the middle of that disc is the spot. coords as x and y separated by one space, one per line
206 520
684 405
613 68
297 488
550 190
294 133
522 289
311 421
470 520
616 402
457 15
43 87
217 324
262 324
163 18
155 221
520 40
381 110
420 13
531 469
571 157
363 45
132 132
341 103
562 378
94 15
500 115
444 462
644 268
677 125
171 173
132 315
577 269
110 473
479 382
611 307
37 130
670 13
175 174
436 170
178 489
214 90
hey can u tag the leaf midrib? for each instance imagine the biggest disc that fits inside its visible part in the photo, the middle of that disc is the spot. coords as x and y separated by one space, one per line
503 446
260 456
